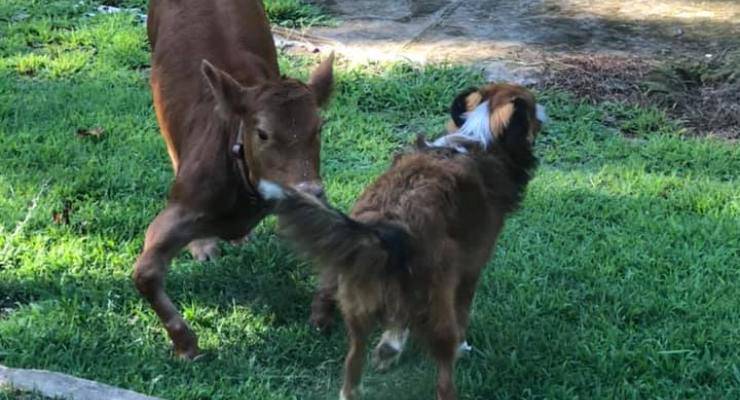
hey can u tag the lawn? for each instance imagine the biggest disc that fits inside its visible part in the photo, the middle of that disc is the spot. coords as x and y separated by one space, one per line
619 277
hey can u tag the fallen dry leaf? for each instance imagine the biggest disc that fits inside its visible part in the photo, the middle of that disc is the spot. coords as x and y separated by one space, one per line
96 132
62 217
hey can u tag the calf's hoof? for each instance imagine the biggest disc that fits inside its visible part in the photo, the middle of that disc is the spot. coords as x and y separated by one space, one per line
347 394
185 342
192 354
240 241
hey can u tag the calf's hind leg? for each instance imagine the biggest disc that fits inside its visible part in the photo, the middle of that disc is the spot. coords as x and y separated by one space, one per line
170 231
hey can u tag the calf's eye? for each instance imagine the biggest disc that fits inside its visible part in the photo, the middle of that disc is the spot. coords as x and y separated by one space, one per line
262 134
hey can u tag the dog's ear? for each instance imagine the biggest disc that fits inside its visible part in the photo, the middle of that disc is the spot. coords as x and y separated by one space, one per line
514 121
421 142
465 102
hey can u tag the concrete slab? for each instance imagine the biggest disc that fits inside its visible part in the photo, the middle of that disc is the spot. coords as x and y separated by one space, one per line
509 38
57 385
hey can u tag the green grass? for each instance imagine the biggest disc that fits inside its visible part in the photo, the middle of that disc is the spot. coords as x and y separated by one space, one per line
617 279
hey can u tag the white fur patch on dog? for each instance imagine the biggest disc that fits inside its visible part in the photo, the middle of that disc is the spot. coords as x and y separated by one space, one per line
541 113
477 126
270 190
464 348
395 339
449 141
389 348
476 129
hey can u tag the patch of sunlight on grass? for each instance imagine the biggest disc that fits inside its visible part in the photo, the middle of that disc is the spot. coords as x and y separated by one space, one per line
616 279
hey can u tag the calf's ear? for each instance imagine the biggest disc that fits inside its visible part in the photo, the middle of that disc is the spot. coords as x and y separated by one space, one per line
322 80
231 97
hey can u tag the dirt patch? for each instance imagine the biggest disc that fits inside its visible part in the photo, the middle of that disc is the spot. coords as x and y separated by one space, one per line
597 78
705 94
702 93
650 53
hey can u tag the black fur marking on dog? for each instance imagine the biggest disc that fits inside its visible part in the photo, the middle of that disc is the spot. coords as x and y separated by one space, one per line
460 106
515 150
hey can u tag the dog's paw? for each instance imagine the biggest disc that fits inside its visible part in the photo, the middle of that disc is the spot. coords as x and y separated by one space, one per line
321 322
322 312
384 356
464 349
204 249
389 349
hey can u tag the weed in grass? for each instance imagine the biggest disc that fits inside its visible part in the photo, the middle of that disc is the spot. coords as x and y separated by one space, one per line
295 13
13 394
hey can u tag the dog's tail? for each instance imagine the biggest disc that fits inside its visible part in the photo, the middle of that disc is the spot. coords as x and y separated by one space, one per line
334 239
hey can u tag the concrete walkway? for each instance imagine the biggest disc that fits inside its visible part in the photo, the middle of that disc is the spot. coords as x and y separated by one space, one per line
56 385
517 35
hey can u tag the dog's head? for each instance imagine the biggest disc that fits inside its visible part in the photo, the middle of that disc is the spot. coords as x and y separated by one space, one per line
502 113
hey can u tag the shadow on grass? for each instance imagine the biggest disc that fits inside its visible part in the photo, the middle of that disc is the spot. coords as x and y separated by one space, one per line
585 287
595 276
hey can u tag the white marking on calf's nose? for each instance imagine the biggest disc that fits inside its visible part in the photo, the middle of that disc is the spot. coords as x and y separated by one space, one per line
270 190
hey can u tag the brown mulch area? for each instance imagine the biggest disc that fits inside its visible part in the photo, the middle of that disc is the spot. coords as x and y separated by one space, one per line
704 94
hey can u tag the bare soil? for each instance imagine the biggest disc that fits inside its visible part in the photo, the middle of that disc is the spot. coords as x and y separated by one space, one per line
605 50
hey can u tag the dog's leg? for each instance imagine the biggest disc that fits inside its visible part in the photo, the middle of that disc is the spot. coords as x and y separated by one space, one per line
358 330
324 301
204 249
389 348
463 301
172 229
444 340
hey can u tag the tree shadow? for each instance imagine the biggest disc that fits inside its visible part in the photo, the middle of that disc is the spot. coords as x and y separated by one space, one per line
573 266
473 31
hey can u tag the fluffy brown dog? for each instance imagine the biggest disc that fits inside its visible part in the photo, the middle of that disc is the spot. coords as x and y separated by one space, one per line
411 253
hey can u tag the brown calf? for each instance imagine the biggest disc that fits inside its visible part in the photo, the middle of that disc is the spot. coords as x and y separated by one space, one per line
411 253
229 119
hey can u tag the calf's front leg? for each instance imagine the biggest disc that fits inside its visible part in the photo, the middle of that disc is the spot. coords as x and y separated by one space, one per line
168 233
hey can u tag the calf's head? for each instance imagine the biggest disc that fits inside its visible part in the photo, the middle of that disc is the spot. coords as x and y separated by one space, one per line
280 124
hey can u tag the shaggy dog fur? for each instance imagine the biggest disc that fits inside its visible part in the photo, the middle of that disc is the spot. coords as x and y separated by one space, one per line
410 254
